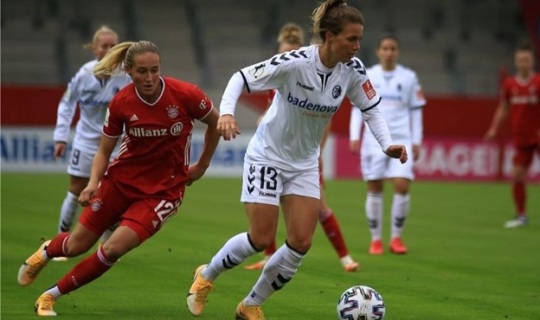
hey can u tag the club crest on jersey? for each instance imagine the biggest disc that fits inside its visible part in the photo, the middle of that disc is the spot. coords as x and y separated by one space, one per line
177 128
96 204
336 92
172 111
257 71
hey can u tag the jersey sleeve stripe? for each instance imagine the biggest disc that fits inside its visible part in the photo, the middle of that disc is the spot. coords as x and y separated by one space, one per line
373 106
206 115
245 81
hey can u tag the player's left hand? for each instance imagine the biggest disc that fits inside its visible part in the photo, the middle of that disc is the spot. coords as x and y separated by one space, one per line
227 127
397 151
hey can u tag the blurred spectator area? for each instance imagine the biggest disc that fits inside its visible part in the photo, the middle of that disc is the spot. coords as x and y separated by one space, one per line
456 46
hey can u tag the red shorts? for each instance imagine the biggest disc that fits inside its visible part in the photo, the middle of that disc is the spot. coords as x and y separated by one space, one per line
145 216
524 155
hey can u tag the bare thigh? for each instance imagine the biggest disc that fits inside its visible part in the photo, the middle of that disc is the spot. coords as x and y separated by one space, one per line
301 218
263 220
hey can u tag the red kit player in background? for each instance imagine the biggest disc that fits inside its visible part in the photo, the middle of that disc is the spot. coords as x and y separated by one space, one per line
520 97
144 185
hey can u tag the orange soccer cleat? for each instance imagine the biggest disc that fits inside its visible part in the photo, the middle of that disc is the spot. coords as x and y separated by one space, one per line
244 312
198 293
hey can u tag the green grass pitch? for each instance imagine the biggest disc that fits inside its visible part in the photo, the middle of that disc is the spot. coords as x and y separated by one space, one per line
461 263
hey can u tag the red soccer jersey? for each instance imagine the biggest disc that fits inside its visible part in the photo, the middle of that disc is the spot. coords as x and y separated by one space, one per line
524 101
154 155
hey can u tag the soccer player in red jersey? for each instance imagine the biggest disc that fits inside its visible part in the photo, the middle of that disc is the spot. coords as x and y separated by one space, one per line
144 185
291 37
520 97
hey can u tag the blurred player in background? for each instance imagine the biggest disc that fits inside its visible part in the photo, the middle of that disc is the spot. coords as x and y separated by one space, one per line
144 185
401 105
291 37
520 97
92 95
281 164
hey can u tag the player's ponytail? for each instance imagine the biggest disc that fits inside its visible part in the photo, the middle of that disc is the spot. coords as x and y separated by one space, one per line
122 53
112 60
332 15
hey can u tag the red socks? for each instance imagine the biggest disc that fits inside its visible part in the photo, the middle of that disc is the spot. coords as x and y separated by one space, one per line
56 247
333 233
85 271
519 195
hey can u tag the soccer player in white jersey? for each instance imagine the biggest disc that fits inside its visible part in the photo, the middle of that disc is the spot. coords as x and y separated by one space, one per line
401 105
92 95
291 37
281 163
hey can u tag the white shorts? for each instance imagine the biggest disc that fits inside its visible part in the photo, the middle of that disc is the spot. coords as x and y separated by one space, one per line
80 163
376 165
263 183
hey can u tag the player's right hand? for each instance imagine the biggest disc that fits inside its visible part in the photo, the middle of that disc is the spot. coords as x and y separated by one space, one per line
354 146
87 194
59 149
227 127
397 151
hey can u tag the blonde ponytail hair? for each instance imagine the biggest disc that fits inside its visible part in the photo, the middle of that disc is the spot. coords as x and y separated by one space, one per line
122 53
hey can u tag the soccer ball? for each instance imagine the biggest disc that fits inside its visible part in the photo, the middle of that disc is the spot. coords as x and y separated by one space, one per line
360 303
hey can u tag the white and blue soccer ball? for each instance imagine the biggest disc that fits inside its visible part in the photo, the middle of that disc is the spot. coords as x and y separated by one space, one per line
360 303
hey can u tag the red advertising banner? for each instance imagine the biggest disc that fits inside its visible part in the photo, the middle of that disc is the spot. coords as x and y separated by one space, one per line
457 159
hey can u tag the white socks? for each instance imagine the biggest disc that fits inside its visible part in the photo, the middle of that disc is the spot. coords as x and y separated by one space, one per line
234 252
400 209
68 212
374 214
279 270
55 292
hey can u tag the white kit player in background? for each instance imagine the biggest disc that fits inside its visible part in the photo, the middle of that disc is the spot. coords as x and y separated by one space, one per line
281 165
92 96
401 106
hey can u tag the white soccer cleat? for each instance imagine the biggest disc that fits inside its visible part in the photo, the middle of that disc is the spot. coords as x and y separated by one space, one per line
517 222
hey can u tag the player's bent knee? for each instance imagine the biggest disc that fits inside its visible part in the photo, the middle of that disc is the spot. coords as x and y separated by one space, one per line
300 246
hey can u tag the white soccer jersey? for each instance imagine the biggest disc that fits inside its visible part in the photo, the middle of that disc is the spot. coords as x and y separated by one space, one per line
401 92
308 95
93 97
